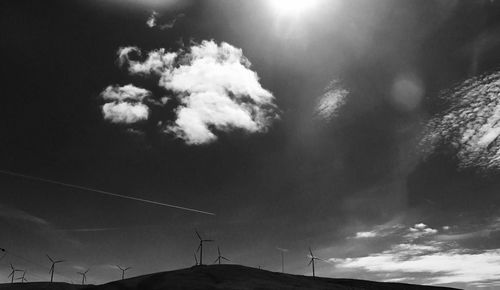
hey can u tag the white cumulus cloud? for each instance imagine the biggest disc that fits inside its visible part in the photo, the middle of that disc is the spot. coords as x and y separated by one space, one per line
124 93
215 87
124 104
126 113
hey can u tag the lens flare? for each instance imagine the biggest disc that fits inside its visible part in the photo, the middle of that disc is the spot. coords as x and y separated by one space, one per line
293 7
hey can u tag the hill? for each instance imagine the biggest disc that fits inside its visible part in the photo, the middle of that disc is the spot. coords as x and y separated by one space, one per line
226 277
42 286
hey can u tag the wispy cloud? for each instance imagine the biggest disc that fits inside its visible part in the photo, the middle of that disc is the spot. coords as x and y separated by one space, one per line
420 251
420 230
10 213
379 231
214 86
331 100
152 21
32 225
471 126
156 62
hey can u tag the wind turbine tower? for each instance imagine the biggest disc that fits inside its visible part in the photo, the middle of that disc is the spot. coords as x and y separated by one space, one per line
13 273
313 258
123 270
200 247
220 257
282 258
51 271
22 278
84 276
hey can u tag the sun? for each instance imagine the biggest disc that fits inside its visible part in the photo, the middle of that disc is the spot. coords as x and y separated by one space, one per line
293 7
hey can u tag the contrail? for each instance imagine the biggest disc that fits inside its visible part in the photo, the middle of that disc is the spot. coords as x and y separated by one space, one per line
102 192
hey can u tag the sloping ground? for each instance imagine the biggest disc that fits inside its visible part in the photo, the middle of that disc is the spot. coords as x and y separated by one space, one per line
41 286
236 277
225 277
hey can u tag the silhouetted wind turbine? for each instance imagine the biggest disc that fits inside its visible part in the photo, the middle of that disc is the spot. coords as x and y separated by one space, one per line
51 271
123 270
282 258
84 276
200 247
311 262
13 273
219 258
22 278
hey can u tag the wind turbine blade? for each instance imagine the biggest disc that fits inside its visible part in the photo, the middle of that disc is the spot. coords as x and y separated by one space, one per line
119 267
310 262
208 240
218 250
10 275
226 259
59 261
103 192
197 250
50 258
128 268
199 237
216 260
310 252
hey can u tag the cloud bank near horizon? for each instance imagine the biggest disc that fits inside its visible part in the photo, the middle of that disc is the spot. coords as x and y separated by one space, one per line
423 254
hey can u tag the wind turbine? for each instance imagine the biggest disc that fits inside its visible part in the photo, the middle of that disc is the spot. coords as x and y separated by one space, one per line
13 273
123 270
195 260
22 278
51 271
313 258
219 258
282 258
84 276
200 247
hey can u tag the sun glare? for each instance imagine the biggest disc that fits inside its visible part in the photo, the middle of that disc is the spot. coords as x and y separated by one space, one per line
293 7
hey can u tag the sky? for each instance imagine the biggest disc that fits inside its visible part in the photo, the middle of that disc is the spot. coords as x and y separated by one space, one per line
366 130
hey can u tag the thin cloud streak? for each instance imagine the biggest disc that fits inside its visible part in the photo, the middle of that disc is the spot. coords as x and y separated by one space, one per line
103 192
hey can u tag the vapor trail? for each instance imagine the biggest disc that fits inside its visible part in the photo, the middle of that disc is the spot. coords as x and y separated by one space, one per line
102 192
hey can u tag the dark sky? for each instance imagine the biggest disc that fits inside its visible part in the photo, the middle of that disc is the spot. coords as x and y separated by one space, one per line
360 88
